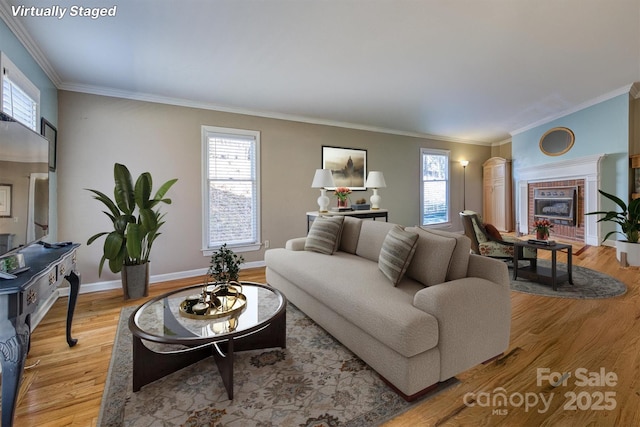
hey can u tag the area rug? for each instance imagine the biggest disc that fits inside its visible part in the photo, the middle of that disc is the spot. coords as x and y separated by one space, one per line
587 284
315 381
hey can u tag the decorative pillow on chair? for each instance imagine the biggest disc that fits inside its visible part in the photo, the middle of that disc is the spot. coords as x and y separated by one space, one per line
493 231
396 253
324 234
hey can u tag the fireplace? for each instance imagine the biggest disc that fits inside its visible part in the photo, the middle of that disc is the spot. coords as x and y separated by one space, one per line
557 204
582 173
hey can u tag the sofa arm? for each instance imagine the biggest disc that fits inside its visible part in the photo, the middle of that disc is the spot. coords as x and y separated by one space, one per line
296 244
494 270
474 321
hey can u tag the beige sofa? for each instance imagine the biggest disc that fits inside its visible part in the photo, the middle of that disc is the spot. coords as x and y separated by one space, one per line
448 313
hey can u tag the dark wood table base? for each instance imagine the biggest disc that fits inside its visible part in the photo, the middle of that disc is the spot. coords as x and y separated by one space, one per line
149 366
541 274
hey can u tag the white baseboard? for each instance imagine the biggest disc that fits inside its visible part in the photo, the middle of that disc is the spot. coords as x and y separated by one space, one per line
117 284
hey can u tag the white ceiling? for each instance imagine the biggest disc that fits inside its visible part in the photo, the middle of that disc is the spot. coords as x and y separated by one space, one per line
471 70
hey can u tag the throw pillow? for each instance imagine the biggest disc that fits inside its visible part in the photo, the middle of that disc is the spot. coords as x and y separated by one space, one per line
324 235
396 253
492 231
434 251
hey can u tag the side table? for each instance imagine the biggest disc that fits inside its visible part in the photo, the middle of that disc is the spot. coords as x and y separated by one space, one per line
541 274
372 213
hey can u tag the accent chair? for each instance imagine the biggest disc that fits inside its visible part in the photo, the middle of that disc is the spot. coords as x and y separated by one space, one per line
486 240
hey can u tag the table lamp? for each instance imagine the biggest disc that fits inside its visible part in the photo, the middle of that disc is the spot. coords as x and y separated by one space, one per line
375 180
322 179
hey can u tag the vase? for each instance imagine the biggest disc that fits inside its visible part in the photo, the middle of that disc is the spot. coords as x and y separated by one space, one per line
542 234
342 203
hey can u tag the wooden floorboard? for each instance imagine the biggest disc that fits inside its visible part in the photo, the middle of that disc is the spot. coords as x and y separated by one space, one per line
563 335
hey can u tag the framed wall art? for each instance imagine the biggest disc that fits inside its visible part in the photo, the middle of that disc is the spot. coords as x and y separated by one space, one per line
51 134
5 200
348 166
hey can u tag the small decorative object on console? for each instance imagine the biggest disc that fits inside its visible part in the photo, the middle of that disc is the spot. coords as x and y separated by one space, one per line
342 193
361 205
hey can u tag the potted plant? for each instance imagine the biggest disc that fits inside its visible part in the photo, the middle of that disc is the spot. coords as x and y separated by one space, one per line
136 224
224 270
629 221
542 227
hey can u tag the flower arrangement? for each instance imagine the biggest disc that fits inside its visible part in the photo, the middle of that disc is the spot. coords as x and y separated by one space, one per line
542 227
342 193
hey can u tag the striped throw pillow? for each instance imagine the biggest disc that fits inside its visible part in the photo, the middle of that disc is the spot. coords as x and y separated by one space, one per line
396 253
324 235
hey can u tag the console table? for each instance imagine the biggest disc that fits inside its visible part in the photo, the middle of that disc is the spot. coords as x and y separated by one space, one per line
23 298
373 213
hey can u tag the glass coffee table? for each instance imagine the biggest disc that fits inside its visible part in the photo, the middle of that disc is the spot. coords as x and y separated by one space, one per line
166 340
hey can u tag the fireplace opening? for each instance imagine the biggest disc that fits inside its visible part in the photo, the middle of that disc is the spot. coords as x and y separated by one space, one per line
557 204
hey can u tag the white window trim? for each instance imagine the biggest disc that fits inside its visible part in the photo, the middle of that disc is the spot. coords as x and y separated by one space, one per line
19 79
447 153
206 250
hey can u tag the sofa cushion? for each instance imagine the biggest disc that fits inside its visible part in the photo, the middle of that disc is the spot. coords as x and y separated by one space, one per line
396 253
459 263
354 288
350 234
372 235
324 235
431 261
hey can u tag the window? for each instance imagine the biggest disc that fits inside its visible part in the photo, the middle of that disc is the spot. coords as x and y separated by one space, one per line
231 196
20 97
434 185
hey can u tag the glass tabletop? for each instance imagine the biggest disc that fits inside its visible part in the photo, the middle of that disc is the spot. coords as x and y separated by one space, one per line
160 319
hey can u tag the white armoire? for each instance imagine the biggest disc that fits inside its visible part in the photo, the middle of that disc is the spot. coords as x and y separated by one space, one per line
496 193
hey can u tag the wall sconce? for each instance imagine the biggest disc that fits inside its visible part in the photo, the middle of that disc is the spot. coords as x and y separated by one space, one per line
375 180
322 179
464 164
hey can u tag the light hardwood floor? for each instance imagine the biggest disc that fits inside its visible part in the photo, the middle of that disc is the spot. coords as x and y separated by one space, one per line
561 335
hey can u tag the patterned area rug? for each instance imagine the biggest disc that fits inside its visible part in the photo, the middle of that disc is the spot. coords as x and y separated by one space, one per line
587 284
315 381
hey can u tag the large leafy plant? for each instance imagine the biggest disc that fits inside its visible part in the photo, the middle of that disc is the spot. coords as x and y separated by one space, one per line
135 217
628 219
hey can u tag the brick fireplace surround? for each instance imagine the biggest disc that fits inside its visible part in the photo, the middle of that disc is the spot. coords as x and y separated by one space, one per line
583 173
570 232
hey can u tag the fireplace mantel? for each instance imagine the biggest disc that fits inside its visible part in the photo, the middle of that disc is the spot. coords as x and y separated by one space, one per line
587 168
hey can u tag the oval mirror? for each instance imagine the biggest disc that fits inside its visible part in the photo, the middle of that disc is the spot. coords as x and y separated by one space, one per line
557 141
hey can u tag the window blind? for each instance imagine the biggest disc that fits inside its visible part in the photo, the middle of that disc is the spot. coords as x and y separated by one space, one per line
20 97
435 187
232 190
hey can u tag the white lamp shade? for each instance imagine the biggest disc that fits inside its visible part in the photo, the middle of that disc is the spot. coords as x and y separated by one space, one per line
464 163
322 179
375 180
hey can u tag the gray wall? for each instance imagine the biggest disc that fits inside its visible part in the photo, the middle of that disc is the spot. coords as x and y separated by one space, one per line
97 131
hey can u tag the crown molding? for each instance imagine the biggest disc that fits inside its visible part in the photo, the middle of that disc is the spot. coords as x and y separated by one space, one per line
625 89
23 36
146 97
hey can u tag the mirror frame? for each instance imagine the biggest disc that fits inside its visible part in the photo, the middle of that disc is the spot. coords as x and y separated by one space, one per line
569 132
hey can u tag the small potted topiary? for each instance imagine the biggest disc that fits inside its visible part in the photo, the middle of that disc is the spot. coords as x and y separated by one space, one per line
224 271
